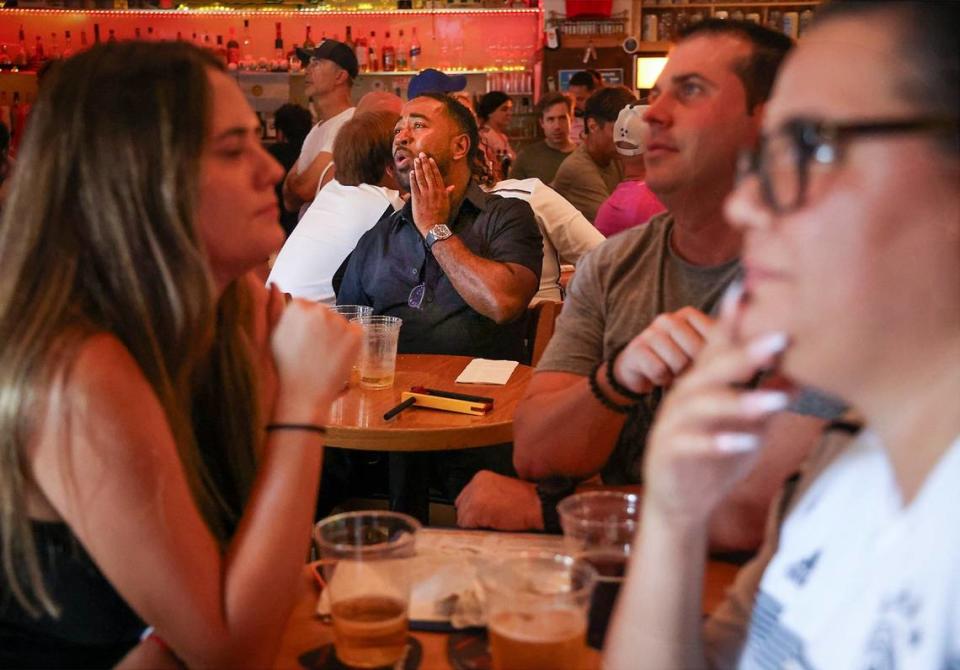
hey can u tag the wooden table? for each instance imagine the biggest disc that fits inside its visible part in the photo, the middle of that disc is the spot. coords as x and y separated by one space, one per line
356 419
305 631
356 422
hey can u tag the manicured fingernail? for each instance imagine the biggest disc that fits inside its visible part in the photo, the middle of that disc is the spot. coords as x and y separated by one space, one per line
767 345
735 443
422 155
759 403
731 297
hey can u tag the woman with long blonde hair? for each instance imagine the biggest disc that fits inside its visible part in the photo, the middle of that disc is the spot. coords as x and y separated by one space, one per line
161 415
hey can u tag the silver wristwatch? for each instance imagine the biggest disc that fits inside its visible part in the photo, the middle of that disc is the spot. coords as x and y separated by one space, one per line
437 233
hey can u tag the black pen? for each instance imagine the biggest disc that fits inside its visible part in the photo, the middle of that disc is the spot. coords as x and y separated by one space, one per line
451 394
399 408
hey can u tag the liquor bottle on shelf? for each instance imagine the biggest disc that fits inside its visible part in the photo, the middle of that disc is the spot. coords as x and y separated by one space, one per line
294 64
54 47
20 58
136 34
150 35
96 33
221 50
349 39
247 42
67 44
233 48
278 52
374 54
111 36
6 63
83 40
389 58
38 57
308 42
363 57
414 51
5 104
403 53
404 4
323 37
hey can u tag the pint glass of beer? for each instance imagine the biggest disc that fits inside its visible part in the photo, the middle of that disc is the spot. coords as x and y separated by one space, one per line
599 527
366 568
536 608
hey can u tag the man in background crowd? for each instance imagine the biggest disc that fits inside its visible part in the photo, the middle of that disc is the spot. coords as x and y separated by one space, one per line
589 174
632 203
331 69
542 158
582 85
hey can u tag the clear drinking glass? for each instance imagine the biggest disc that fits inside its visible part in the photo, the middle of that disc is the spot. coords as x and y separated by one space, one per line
536 608
599 527
378 352
366 566
350 312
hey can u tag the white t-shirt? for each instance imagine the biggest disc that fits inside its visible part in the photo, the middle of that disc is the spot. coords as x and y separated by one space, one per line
859 581
326 235
321 137
566 232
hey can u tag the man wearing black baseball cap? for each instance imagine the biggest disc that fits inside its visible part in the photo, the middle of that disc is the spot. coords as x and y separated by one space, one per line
330 70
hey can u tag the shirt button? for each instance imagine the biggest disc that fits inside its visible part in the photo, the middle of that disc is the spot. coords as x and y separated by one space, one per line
414 271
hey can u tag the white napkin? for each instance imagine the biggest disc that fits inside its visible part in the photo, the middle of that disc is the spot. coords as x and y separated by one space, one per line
484 371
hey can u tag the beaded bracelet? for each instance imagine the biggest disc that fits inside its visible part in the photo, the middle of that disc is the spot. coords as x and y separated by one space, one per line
601 396
615 383
309 427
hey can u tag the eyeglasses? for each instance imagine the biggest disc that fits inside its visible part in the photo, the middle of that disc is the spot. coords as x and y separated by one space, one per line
782 160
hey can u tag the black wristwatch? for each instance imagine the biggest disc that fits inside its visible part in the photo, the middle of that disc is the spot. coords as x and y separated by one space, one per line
551 491
437 233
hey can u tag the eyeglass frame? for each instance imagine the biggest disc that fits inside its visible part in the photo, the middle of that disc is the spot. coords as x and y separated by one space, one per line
823 141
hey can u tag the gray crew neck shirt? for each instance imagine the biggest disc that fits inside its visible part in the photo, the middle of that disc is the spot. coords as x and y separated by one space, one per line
619 288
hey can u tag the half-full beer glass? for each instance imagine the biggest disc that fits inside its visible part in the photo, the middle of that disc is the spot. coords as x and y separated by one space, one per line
599 527
536 608
366 568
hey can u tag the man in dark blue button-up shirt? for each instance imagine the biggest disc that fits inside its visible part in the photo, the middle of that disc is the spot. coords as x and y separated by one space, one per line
459 266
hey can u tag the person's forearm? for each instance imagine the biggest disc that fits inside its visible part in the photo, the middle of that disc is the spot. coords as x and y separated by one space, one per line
492 288
658 615
260 585
300 187
565 431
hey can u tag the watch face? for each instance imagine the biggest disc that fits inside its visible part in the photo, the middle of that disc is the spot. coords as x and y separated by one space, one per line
441 232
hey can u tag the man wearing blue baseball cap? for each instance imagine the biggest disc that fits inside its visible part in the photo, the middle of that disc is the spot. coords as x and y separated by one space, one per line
330 70
435 81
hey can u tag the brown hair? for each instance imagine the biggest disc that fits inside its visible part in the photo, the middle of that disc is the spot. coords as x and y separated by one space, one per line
551 99
364 148
98 236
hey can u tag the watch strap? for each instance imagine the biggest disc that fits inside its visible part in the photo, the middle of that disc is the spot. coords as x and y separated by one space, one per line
551 491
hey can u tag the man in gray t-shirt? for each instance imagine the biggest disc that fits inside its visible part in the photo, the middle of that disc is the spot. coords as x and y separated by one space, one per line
588 408
618 290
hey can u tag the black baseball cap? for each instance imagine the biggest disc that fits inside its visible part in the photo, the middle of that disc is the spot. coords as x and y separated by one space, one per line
332 50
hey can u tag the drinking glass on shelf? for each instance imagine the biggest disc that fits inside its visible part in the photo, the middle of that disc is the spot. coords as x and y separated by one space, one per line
366 566
536 610
599 527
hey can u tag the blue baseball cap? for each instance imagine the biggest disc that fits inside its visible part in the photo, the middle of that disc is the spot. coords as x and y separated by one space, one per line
434 81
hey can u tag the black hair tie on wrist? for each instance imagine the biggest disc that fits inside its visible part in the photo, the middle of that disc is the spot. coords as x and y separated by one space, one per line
615 383
308 427
601 396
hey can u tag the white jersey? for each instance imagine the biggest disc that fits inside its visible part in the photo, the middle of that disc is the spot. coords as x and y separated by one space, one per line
860 581
567 235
